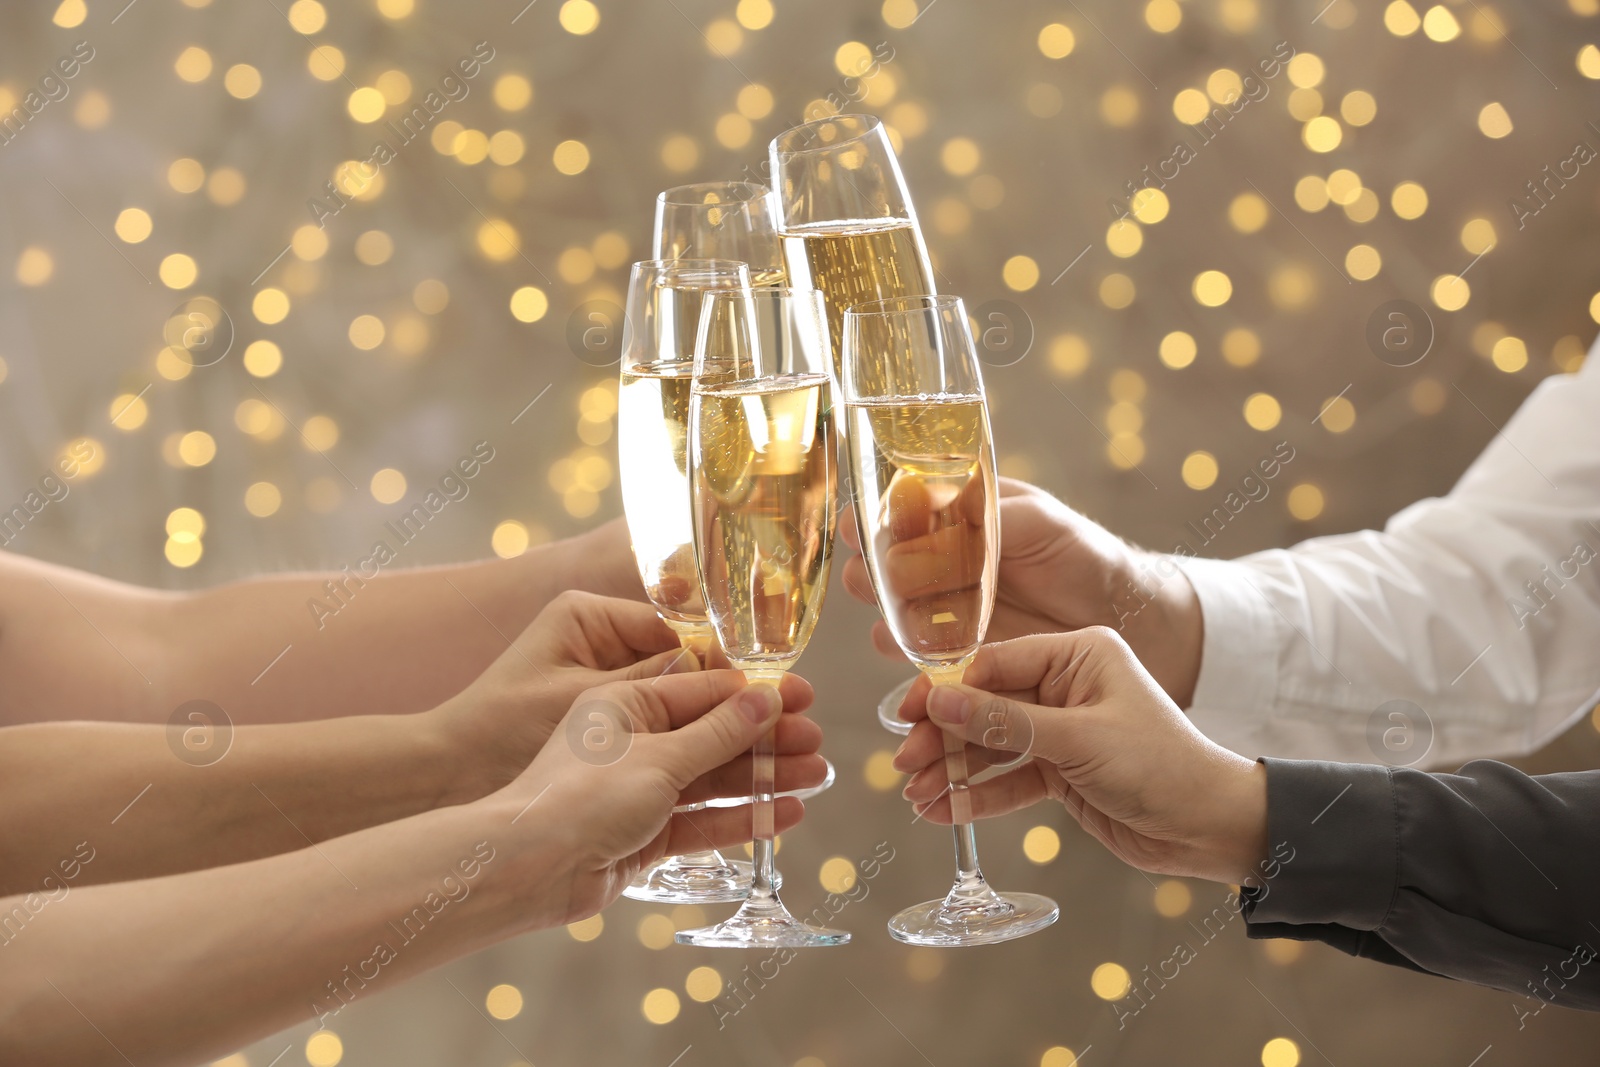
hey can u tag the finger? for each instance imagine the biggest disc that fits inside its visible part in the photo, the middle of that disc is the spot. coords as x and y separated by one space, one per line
930 781
614 628
672 661
734 778
989 719
858 581
720 735
718 828
923 747
1017 487
1042 662
670 702
848 533
1000 795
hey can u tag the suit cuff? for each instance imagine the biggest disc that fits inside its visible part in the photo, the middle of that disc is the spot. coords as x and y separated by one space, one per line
1333 830
1239 652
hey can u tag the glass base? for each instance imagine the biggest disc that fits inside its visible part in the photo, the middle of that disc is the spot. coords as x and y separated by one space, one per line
984 918
889 708
701 878
800 794
763 926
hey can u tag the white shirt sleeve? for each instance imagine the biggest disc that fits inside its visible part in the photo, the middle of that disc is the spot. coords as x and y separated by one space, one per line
1481 607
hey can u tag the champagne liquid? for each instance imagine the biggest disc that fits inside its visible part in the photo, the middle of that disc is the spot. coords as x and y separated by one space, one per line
854 263
764 512
653 452
768 277
929 520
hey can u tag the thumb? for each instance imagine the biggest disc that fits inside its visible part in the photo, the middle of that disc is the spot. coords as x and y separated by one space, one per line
672 661
984 719
725 732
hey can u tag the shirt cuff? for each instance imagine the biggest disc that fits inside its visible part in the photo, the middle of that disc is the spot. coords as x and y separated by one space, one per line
1239 652
1333 837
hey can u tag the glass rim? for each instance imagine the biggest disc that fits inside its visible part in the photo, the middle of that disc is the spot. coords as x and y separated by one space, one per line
708 265
678 195
790 291
907 305
870 124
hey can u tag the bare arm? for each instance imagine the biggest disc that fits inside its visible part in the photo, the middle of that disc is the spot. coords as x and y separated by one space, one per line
283 648
147 800
109 974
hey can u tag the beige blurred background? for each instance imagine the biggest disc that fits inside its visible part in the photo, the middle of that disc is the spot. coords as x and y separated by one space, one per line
368 355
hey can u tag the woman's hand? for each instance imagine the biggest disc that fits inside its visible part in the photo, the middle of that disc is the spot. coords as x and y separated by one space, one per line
1075 718
579 641
1060 571
602 792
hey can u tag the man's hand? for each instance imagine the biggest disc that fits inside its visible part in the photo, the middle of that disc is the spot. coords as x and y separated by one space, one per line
1093 731
503 719
608 807
1060 571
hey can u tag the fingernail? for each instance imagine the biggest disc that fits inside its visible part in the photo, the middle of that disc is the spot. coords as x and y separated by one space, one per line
898 753
758 702
949 704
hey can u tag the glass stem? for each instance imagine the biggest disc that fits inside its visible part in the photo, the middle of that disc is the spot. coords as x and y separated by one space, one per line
762 792
696 641
969 876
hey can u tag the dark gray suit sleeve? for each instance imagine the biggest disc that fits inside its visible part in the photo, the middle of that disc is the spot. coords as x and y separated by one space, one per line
1488 875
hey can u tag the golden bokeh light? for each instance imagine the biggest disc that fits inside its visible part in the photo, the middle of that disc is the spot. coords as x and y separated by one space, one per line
70 13
1358 107
366 332
262 499
1172 898
1478 236
193 64
579 17
1450 292
1058 1056
1110 981
1199 470
325 62
1041 844
1124 238
366 104
1305 501
225 186
1212 288
1057 40
1241 347
388 485
242 81
703 984
1280 1051
1494 121
1020 273
1440 25
571 157
319 433
262 359
1262 411
1510 354
133 225
503 1001
1117 291
1248 213
270 306
1362 262
660 1006
178 271
1322 134
1409 200
35 266
498 240
587 929
510 538
1163 16
1337 414
128 412
323 1048
1178 349
307 16
1401 19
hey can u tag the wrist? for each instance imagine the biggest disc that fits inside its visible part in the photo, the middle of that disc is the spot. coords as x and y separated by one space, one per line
1237 840
1166 628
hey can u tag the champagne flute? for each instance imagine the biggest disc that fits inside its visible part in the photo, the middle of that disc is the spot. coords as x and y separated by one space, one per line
728 220
763 488
849 229
928 514
721 220
652 445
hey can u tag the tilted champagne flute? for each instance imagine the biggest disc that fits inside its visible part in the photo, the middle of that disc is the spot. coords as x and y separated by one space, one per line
653 456
849 229
727 220
922 459
721 220
763 487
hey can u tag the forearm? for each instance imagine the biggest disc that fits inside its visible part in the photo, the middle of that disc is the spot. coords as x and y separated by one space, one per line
272 943
280 648
150 800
